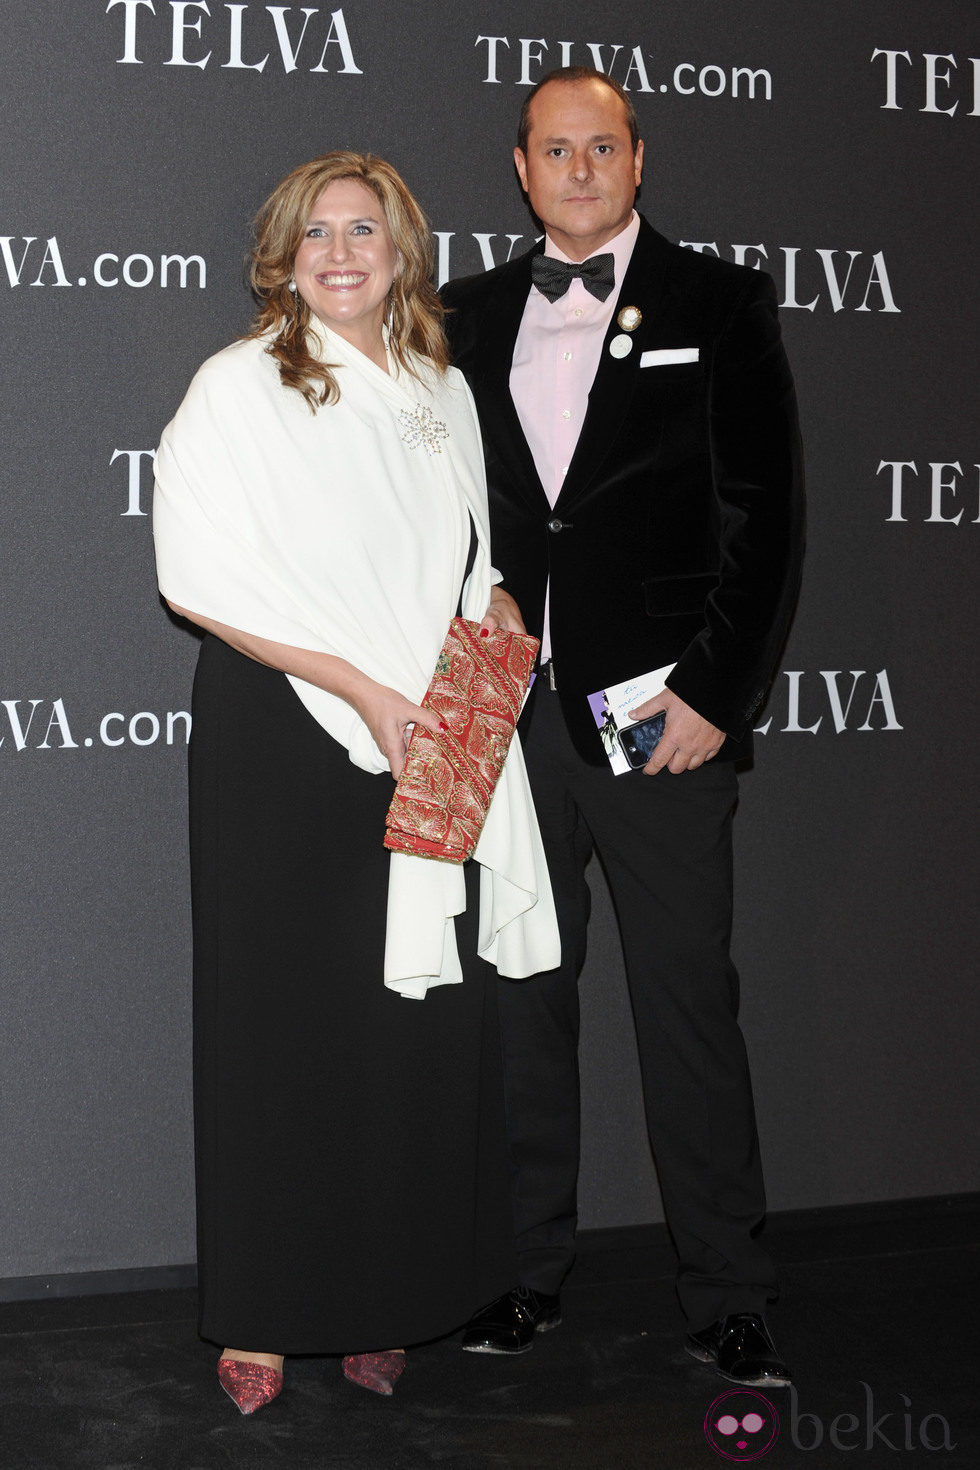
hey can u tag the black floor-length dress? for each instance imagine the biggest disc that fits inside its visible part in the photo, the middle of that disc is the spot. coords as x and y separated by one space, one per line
351 1167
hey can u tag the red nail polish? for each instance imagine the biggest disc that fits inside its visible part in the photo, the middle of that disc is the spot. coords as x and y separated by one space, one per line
443 725
484 632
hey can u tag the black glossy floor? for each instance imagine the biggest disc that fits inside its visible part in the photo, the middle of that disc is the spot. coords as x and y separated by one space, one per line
879 1317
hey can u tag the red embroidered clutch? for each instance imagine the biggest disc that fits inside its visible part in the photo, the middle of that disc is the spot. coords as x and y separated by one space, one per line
443 793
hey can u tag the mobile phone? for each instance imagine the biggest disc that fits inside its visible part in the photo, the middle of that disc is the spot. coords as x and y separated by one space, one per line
639 741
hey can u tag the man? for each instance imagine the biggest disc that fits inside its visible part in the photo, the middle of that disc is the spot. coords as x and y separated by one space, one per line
646 510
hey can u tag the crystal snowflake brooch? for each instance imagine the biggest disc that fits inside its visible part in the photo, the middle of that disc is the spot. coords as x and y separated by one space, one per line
420 426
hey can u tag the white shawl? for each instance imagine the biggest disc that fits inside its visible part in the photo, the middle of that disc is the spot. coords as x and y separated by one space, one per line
341 532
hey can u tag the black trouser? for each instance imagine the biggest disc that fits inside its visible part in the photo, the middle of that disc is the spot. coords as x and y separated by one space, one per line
665 847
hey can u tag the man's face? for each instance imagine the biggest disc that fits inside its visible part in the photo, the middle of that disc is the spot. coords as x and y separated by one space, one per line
580 172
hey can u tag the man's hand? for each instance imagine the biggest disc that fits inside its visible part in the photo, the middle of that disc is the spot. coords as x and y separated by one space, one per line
688 739
502 613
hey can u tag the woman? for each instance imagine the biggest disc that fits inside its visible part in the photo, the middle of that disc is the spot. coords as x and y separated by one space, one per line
320 512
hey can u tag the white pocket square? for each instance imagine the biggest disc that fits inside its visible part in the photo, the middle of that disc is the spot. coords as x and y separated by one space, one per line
661 356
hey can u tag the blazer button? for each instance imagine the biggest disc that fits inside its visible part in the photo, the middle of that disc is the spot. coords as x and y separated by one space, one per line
556 525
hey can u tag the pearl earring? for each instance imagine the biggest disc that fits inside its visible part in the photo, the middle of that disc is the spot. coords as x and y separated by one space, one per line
292 287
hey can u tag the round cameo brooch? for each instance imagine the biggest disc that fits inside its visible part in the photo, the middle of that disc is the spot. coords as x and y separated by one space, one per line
629 318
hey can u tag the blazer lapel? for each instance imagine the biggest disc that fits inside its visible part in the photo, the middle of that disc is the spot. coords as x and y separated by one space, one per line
490 374
615 378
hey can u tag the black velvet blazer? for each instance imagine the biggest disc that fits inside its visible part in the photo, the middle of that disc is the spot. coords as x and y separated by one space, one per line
678 533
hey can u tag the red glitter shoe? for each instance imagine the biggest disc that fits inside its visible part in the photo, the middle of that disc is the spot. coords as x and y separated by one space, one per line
251 1385
377 1371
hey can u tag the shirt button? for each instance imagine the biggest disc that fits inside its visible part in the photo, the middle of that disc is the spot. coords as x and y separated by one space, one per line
577 311
566 413
564 469
567 356
556 525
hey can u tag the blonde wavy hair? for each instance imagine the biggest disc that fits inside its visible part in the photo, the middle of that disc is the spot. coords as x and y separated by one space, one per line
414 311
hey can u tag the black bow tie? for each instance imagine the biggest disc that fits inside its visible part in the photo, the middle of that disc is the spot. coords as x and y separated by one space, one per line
553 277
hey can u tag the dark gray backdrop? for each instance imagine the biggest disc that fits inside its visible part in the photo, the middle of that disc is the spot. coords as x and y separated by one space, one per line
778 138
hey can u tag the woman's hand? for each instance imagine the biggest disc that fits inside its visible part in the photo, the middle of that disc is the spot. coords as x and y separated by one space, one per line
502 613
390 717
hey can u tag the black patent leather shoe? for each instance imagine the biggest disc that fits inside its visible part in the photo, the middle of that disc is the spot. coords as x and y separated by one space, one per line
742 1351
508 1325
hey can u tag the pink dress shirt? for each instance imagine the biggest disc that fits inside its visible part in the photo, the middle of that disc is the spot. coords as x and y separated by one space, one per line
556 357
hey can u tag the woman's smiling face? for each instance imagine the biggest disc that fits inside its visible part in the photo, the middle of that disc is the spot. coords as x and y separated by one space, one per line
347 261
